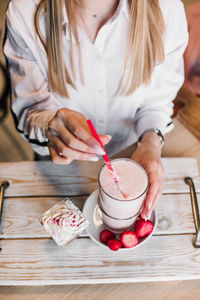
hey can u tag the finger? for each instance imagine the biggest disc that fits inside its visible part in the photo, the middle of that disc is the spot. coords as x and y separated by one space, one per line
105 139
155 201
71 153
151 194
82 131
150 197
57 159
70 140
147 211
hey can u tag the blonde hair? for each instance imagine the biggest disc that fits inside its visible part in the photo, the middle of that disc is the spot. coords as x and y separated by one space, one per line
144 44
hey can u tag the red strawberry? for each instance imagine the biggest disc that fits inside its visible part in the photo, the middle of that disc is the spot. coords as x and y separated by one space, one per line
114 244
106 235
129 239
143 228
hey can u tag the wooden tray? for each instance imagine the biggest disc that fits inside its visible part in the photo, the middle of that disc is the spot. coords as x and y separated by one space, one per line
30 257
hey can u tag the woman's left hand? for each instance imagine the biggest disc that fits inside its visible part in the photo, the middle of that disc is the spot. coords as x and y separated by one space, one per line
148 154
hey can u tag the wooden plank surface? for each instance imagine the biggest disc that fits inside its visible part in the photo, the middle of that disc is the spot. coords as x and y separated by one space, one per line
41 262
19 219
171 290
181 143
80 178
168 255
174 215
189 114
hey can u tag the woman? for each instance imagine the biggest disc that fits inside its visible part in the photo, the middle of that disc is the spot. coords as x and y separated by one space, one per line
119 63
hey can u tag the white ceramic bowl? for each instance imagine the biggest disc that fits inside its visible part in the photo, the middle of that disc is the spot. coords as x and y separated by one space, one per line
93 214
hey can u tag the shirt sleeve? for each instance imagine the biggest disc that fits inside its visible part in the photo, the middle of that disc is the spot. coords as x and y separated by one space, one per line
157 108
33 105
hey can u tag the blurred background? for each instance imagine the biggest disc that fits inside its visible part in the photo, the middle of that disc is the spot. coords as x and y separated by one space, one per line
14 148
12 145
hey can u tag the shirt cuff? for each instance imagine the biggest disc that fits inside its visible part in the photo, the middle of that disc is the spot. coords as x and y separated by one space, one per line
37 123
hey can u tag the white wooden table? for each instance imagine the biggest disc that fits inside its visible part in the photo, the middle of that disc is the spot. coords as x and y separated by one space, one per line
30 257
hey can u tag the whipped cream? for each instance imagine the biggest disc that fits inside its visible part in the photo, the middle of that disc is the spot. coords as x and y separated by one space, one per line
64 222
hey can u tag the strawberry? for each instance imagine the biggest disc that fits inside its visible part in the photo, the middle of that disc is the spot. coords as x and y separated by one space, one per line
114 244
143 228
106 235
129 239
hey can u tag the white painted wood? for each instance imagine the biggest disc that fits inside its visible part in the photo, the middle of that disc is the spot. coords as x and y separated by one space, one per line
45 178
176 169
174 215
80 178
168 255
41 262
20 216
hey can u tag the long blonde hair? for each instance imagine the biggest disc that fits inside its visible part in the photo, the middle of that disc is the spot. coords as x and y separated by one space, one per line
144 44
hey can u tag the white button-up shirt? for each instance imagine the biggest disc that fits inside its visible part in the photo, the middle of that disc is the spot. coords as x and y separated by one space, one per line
125 118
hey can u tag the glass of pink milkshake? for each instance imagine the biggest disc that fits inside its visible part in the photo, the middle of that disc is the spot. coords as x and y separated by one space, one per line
122 202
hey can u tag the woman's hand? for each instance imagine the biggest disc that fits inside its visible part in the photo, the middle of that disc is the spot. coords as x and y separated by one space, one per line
148 154
69 138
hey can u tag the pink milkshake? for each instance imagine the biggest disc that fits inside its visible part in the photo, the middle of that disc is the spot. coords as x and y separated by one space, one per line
121 203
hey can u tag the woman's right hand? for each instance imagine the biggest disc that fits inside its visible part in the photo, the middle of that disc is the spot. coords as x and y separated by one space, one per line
69 138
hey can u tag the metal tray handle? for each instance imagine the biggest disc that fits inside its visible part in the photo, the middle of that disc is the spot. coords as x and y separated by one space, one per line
195 210
4 185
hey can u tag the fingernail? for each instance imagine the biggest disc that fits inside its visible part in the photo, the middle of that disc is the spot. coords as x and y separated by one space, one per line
148 216
149 205
99 150
93 158
109 136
